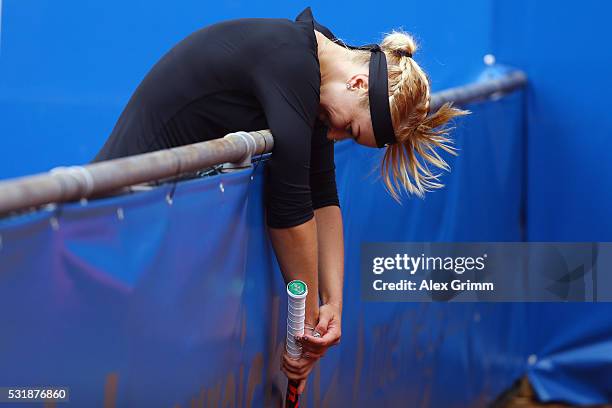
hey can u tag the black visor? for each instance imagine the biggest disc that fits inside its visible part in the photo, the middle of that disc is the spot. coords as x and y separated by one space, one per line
378 95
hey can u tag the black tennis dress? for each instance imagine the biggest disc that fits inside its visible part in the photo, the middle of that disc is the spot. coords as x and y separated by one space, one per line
246 74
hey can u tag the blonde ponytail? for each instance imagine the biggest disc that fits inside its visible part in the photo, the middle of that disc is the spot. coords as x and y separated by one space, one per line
406 164
399 42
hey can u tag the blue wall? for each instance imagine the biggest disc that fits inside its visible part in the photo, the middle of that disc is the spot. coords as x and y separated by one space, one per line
67 69
563 47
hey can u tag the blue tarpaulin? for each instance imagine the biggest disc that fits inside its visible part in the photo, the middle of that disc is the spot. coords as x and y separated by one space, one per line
143 301
130 298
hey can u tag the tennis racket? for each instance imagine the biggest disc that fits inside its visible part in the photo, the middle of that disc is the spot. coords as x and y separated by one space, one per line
296 313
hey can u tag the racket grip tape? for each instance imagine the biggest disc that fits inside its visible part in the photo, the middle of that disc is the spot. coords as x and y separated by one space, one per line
297 291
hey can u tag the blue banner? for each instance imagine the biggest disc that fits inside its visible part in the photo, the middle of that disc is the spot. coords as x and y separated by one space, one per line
141 300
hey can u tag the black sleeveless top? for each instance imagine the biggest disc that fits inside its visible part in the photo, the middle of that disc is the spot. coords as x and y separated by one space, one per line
246 74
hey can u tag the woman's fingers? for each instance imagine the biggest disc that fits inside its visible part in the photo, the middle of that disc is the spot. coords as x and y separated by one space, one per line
297 368
313 355
319 344
298 374
299 364
324 319
294 374
290 370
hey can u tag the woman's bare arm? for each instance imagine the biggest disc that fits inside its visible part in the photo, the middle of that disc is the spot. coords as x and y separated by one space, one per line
331 274
296 252
301 258
331 254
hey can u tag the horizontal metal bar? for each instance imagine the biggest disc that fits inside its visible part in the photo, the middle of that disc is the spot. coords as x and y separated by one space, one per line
76 182
73 183
479 90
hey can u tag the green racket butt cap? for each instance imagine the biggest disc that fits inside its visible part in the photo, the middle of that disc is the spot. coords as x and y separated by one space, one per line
297 289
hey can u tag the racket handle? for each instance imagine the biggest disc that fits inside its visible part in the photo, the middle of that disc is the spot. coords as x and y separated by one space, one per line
292 399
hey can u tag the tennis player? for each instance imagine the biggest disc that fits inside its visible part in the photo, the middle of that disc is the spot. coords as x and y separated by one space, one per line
310 89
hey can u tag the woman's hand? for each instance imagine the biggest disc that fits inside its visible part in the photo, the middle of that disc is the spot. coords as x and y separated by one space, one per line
314 347
297 369
329 329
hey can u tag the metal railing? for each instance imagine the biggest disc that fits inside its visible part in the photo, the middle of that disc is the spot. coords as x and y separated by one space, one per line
96 179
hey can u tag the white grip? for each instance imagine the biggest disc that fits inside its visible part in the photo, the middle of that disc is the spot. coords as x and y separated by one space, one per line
296 314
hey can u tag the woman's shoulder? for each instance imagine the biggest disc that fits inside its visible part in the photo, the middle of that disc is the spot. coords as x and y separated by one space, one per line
263 33
285 49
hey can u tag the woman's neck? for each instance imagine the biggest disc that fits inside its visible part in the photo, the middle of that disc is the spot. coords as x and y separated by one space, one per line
335 61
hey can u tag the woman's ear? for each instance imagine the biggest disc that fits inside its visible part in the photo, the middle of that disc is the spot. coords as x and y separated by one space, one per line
359 81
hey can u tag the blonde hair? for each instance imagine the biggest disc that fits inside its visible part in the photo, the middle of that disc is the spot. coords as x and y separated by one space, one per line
417 131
